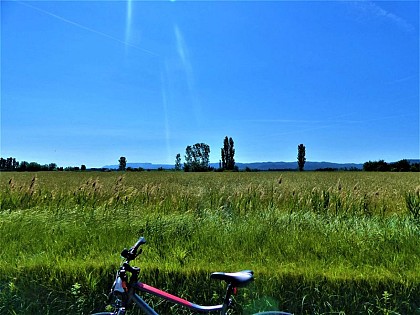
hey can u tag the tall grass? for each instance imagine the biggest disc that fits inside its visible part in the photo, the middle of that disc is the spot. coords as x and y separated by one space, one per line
360 193
318 243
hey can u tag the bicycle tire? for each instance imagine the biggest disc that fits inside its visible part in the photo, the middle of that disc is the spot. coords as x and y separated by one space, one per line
273 313
104 313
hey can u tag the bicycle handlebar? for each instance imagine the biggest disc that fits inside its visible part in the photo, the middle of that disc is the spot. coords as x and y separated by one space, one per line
141 241
131 254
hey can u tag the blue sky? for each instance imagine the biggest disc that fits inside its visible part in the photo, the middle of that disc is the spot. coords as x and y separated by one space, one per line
85 82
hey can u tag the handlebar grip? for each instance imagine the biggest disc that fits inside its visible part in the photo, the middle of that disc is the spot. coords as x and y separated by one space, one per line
131 253
136 246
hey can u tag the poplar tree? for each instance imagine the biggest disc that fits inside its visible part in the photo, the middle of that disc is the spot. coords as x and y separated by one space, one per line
301 156
228 154
178 162
123 163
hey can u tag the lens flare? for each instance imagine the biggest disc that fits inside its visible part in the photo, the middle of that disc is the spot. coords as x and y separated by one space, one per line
128 21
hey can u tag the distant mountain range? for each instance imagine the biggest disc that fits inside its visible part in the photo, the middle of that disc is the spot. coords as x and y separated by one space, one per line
146 166
309 166
262 166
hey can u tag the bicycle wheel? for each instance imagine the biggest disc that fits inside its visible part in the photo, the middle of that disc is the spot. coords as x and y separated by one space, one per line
104 313
273 313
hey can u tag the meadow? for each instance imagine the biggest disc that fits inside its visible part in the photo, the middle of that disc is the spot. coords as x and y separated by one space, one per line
319 243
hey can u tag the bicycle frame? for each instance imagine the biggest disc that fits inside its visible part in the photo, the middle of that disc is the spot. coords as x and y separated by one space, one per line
148 310
175 299
124 290
134 297
139 286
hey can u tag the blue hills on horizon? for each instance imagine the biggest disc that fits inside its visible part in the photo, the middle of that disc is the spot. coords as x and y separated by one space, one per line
262 166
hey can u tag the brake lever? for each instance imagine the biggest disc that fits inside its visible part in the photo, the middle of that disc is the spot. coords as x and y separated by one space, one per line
129 255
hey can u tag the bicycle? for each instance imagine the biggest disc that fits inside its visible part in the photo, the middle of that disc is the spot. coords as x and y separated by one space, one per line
124 289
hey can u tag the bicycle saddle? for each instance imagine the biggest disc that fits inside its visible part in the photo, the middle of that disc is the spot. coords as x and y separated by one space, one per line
237 279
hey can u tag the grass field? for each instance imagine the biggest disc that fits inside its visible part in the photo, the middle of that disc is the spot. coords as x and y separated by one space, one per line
319 243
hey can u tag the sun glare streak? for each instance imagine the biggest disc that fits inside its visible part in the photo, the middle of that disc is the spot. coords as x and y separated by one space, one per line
182 51
86 28
128 22
186 64
165 113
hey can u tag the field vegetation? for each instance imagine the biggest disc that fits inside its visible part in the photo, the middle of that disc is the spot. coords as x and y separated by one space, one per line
319 243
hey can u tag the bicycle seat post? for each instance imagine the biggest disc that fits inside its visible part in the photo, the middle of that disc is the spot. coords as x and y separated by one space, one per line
228 300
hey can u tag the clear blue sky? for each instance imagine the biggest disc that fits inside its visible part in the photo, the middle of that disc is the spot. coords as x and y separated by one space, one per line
85 82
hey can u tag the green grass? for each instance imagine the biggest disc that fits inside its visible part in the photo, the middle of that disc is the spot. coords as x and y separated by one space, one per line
319 243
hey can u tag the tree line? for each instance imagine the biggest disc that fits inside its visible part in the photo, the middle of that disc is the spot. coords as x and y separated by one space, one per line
11 164
400 166
197 159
